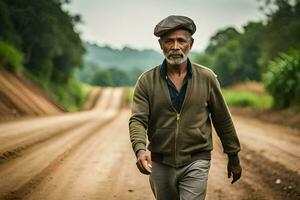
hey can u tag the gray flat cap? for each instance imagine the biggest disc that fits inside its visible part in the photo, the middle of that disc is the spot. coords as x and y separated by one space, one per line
172 23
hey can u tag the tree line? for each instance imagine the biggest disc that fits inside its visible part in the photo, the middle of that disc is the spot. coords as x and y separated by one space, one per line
94 74
266 50
38 38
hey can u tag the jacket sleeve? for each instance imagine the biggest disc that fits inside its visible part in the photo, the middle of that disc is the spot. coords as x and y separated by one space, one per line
138 122
222 120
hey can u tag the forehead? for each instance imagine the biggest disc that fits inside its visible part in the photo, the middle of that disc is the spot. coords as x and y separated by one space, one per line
180 33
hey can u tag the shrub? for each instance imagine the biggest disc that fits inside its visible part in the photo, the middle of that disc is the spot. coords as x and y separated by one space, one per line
10 58
283 80
247 99
70 95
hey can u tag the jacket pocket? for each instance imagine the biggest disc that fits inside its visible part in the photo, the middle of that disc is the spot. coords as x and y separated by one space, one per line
161 141
191 139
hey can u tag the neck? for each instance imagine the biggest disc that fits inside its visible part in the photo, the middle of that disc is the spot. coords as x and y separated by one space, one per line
177 69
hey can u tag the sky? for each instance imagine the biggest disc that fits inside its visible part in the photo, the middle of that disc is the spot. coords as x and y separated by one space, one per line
131 22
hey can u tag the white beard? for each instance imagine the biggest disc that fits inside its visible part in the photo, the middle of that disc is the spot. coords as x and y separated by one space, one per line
175 61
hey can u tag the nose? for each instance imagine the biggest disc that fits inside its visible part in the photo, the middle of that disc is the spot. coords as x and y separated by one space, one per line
175 45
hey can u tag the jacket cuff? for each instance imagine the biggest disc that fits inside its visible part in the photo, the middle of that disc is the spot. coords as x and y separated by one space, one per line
233 159
138 147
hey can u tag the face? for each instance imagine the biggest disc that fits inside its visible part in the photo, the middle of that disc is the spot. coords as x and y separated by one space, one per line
176 46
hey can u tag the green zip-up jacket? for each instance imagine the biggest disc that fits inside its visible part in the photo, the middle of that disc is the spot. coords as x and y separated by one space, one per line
176 139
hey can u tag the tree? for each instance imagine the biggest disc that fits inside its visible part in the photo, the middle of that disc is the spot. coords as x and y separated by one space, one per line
45 34
283 80
282 30
102 78
220 39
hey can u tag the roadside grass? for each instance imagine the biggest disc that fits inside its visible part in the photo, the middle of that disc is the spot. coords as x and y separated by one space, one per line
247 99
128 95
11 58
71 95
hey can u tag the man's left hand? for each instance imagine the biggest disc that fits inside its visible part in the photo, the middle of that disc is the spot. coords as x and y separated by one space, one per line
235 171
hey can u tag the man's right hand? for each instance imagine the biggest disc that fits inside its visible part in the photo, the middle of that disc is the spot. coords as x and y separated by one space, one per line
144 162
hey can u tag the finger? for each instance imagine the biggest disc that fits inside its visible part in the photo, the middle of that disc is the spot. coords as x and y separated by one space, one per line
146 166
236 177
148 158
141 168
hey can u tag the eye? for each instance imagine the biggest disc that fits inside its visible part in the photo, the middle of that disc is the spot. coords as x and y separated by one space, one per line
168 41
182 40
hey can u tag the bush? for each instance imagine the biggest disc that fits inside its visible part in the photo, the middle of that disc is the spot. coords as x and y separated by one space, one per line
10 58
247 99
70 95
283 80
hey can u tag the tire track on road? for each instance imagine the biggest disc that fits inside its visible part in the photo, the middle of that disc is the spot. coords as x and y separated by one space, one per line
17 140
101 118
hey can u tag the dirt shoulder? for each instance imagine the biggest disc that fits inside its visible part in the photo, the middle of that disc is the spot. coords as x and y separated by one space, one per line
281 117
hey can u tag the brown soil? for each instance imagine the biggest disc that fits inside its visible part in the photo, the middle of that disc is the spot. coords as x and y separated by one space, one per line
87 155
20 97
283 117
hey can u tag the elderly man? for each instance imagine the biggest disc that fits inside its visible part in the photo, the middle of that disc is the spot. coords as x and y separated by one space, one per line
173 106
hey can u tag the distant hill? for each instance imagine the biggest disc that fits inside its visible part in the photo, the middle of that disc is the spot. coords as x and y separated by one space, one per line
105 66
126 58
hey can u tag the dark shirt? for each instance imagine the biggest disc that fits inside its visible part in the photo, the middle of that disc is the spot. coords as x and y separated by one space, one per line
177 97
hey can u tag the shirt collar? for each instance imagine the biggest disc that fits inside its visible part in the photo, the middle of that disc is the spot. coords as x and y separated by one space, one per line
164 74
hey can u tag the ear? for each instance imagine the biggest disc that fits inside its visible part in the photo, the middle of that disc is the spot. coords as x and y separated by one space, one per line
191 42
160 43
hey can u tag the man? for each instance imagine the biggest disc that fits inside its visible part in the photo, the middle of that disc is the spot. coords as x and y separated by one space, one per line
173 106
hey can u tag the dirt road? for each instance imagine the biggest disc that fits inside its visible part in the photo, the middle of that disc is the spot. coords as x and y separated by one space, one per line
87 156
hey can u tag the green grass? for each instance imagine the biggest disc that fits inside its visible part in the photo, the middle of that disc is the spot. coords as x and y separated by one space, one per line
128 95
70 95
11 58
247 99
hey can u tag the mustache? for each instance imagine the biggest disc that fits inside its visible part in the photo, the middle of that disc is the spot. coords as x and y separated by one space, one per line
177 53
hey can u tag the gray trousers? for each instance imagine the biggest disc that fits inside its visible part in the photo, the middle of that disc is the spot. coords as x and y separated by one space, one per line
185 183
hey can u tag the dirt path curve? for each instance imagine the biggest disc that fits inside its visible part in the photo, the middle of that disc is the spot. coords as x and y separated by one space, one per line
94 160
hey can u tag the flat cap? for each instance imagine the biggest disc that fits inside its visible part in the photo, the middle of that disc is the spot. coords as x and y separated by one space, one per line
172 23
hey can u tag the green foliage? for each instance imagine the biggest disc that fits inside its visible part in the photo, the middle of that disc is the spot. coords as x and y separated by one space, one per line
227 61
241 56
283 80
113 76
233 55
45 34
71 94
128 95
40 36
102 78
10 58
282 31
221 38
247 99
203 59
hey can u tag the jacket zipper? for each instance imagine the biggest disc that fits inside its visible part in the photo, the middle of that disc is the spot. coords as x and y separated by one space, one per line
176 134
178 119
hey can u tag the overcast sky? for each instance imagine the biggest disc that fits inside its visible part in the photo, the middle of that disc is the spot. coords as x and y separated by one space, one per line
120 23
